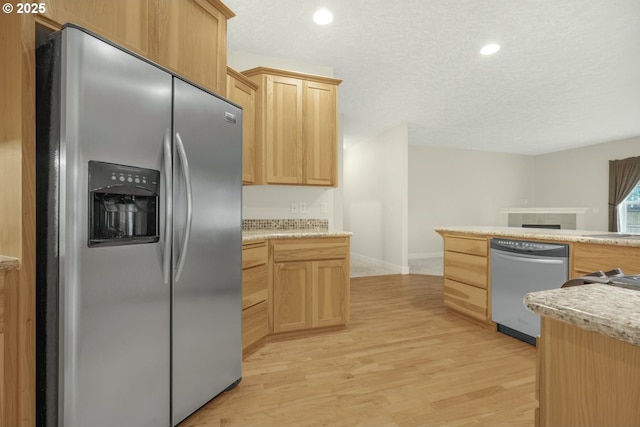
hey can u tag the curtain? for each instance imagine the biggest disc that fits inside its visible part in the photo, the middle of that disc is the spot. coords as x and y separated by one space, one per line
624 175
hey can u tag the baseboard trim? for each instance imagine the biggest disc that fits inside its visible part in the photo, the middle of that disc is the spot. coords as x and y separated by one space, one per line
395 268
422 255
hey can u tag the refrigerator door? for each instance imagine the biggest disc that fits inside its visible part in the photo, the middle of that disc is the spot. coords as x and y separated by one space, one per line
114 306
207 291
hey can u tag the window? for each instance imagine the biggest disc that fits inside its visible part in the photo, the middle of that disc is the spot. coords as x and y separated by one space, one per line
624 178
629 212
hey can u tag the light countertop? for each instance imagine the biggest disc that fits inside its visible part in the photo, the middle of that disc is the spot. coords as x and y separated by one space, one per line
9 263
606 309
250 235
582 236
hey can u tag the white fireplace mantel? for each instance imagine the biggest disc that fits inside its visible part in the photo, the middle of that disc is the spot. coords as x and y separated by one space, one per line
552 213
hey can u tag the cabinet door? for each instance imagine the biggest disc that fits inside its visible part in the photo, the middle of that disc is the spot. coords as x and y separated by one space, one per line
123 22
329 293
291 299
283 145
320 133
245 96
192 41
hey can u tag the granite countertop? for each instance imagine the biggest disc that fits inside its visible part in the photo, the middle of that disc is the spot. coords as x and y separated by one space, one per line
249 235
582 236
609 310
9 263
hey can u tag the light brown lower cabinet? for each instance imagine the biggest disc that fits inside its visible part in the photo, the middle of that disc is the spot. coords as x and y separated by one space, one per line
585 378
466 276
293 285
311 294
310 283
2 385
465 299
255 278
2 376
589 257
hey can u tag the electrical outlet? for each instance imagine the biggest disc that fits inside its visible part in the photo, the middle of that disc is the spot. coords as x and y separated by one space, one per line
303 207
294 207
324 207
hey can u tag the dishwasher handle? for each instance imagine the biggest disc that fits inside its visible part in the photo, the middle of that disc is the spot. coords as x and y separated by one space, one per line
528 259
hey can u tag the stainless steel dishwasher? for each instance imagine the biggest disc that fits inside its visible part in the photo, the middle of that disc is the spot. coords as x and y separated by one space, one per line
517 268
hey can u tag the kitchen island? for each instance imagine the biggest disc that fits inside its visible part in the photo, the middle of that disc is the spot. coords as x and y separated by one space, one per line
588 356
467 278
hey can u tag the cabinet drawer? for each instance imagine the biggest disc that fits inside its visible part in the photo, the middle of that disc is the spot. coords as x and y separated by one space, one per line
254 285
254 324
466 245
254 254
470 269
589 258
310 251
466 299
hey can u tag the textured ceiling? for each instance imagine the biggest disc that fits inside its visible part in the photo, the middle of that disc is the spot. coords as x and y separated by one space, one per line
567 74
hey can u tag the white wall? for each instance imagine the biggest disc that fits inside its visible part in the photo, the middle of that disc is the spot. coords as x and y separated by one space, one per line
580 178
460 187
431 182
274 202
376 199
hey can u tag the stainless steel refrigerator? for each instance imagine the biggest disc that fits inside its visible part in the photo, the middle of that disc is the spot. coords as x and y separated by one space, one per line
139 238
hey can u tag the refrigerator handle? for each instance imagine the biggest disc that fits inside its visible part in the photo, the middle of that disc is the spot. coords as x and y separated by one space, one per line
187 181
168 211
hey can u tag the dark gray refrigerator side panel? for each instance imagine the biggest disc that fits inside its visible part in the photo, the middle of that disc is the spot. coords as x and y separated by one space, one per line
47 271
113 306
207 306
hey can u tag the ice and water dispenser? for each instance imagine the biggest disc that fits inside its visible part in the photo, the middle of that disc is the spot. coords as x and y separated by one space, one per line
123 204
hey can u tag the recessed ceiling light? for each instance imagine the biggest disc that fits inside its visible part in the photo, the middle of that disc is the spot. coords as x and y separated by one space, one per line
322 17
490 49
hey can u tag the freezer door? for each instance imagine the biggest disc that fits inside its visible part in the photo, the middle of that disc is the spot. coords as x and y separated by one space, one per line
114 309
207 292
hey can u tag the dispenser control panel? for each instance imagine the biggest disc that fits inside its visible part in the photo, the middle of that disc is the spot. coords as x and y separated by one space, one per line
109 175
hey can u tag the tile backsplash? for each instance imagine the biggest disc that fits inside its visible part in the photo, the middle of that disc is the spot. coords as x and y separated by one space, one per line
285 224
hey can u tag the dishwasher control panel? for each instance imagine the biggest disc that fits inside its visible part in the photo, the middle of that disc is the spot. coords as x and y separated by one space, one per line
526 246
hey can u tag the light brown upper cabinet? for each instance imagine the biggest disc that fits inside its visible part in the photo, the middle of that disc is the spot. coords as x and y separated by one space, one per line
127 23
242 91
192 40
188 37
296 128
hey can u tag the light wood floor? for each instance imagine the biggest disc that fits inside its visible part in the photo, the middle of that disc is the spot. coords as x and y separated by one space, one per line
402 361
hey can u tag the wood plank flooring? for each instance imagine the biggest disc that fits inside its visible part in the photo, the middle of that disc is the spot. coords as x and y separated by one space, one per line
402 361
